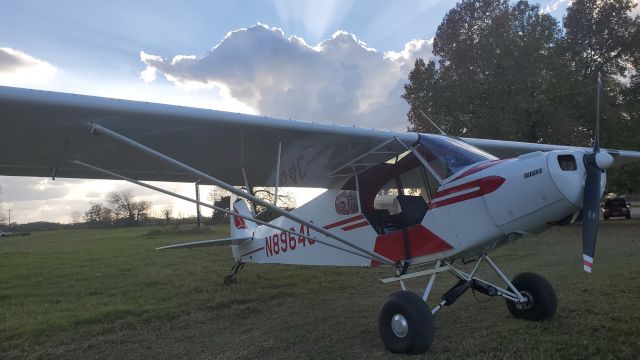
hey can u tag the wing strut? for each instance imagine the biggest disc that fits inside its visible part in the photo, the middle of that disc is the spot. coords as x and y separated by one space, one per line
97 129
216 208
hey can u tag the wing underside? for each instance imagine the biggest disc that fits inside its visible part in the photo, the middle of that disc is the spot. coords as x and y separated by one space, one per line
509 149
43 131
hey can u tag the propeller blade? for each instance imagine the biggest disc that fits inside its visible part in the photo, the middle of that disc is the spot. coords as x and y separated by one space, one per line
595 162
590 211
596 141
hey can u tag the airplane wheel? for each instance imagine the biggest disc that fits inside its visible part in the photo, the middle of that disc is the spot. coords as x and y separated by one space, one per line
542 298
405 323
229 279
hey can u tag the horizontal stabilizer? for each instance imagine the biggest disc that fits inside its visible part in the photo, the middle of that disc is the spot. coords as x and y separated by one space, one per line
202 243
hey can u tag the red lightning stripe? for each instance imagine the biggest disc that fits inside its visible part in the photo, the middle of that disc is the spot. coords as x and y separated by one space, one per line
355 226
479 168
344 222
484 186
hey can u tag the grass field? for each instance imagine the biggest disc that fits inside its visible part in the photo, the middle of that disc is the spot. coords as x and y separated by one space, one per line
108 294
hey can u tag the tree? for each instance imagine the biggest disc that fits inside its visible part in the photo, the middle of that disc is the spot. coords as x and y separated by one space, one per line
601 36
285 201
98 214
127 210
624 179
167 211
421 93
509 72
220 198
500 73
219 217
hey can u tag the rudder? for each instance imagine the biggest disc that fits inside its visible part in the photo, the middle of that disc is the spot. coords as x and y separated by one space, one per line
240 227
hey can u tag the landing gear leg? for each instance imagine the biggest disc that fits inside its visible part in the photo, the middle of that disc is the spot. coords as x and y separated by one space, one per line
529 296
232 278
406 322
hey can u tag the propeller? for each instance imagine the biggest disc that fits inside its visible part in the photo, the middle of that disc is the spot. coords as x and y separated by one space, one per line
596 162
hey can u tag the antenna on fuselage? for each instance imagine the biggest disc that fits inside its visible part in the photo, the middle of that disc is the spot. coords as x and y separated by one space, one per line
432 123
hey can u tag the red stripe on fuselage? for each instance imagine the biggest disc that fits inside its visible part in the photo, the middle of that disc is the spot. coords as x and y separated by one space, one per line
485 185
343 222
355 226
479 168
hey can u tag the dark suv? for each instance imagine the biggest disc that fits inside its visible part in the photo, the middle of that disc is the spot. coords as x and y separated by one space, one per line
616 207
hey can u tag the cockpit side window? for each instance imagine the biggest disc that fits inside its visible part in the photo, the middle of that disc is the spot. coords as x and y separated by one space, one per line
447 156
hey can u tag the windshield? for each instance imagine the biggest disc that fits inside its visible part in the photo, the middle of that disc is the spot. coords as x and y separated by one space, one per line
616 203
446 156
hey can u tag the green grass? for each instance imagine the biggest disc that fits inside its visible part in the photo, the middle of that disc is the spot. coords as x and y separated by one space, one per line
108 294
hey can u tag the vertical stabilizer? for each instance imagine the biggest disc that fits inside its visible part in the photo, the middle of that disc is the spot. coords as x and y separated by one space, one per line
240 227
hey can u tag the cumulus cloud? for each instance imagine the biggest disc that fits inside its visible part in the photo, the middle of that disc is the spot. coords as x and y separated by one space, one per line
20 69
315 16
338 80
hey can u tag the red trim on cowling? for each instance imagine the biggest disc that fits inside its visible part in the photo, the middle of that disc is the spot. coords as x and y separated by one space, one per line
479 168
343 222
421 242
484 186
355 226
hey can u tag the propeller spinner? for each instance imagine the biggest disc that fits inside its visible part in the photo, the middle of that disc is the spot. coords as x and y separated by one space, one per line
596 163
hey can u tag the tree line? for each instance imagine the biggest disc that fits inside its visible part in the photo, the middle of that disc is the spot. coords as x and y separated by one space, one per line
509 71
121 209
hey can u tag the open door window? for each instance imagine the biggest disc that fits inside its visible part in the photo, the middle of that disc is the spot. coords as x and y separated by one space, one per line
395 194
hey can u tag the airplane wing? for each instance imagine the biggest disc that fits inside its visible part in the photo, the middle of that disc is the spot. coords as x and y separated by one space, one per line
204 243
41 132
509 149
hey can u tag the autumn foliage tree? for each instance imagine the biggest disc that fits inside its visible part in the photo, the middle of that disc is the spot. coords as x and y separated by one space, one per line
509 71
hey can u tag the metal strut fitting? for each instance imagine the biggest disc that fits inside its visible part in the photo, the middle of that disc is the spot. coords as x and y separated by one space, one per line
462 286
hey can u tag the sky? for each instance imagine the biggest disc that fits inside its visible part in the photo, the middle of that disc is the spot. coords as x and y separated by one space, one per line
331 61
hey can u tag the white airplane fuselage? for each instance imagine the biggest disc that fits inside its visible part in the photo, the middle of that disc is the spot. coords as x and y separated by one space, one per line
473 212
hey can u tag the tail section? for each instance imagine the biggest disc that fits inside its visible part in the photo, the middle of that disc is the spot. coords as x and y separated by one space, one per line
240 227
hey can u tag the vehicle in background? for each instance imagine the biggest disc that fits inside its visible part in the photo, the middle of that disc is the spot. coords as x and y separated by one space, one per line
2 233
616 207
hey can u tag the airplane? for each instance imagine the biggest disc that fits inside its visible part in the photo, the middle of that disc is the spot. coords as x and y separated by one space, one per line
453 200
